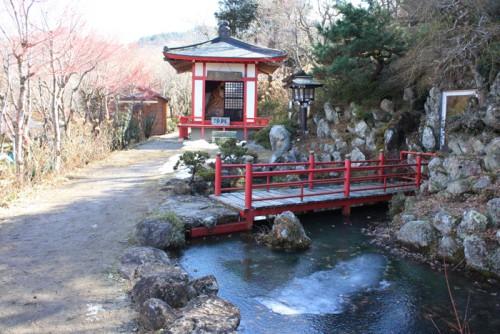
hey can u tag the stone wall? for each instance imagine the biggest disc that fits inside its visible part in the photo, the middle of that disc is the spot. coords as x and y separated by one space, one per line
456 214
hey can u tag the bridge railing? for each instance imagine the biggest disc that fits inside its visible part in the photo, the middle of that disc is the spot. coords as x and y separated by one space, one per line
300 178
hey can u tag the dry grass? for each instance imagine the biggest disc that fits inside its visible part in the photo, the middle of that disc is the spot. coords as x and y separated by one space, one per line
83 144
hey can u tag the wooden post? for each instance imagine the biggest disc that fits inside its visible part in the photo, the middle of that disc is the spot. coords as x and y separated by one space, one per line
218 174
311 169
347 176
418 175
248 183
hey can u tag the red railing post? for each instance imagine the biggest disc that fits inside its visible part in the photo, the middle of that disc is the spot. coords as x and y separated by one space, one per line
218 174
311 169
418 175
381 163
347 176
248 183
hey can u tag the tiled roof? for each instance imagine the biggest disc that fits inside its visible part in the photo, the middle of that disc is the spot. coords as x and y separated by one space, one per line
143 94
222 48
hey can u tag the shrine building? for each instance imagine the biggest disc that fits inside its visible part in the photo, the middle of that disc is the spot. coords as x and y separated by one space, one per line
224 84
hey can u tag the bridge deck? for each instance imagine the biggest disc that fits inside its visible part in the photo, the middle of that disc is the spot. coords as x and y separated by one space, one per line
312 198
264 189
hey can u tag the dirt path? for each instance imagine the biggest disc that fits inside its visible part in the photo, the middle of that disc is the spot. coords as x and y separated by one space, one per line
59 249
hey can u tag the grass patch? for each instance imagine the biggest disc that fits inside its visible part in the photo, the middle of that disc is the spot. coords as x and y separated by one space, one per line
178 226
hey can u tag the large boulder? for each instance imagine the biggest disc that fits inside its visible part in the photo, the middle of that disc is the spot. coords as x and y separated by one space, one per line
417 233
450 247
156 269
393 138
206 285
280 141
491 115
358 142
194 211
445 222
472 221
439 179
177 186
357 155
433 110
331 113
492 158
158 233
458 187
342 146
428 138
139 255
371 141
323 129
155 314
493 206
207 314
476 253
460 167
361 129
170 287
287 233
436 166
494 260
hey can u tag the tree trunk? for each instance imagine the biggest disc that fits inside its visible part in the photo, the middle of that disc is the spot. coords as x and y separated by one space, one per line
57 129
378 70
480 85
3 108
19 124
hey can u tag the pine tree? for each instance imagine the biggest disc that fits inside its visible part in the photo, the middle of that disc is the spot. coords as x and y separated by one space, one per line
359 45
239 14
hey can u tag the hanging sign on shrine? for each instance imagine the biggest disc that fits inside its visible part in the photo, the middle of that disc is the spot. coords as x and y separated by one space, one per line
221 75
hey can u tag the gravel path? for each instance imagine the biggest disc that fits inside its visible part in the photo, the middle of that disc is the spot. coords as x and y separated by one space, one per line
59 248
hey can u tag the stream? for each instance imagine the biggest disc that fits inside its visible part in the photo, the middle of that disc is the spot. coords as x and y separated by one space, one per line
342 284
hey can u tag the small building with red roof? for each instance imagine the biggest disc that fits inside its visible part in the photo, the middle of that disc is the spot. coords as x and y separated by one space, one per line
224 83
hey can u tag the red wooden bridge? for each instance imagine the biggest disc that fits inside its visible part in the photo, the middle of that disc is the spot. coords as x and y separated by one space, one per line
264 189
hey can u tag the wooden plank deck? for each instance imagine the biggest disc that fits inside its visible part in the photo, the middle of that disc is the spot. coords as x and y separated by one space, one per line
312 197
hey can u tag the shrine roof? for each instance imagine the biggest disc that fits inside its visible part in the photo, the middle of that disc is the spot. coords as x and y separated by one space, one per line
223 48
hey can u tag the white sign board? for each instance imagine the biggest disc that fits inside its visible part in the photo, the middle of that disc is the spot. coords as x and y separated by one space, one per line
221 121
444 98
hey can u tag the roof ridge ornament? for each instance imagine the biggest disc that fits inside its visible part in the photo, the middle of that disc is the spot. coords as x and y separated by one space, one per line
224 29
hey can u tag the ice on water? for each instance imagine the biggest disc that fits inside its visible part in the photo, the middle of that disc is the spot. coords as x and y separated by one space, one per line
325 291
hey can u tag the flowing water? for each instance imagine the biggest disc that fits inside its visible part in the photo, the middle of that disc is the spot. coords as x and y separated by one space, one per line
342 284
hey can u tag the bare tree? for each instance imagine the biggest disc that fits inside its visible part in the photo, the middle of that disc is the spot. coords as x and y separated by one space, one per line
5 92
284 24
20 34
69 57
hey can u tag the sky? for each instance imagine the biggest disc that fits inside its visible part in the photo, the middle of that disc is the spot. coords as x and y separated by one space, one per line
129 20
